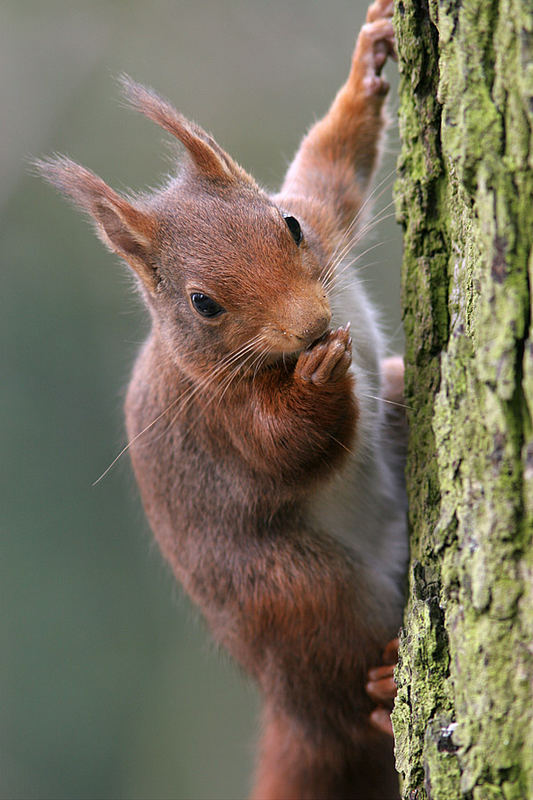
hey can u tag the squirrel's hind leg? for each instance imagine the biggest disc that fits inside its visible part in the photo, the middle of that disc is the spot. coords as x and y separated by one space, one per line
297 765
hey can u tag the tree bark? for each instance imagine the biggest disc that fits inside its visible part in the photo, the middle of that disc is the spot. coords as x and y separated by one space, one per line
464 714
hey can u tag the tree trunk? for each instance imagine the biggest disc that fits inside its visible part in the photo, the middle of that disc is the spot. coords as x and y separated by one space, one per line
464 714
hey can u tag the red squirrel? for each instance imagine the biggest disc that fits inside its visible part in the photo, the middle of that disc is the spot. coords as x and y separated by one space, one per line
266 460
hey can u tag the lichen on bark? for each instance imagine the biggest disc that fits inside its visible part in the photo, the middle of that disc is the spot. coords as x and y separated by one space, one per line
463 718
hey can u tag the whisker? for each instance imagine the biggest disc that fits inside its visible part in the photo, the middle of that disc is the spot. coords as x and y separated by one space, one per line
260 362
372 197
223 387
236 371
392 336
384 184
380 218
341 444
346 245
185 398
390 402
335 276
210 380
134 440
337 287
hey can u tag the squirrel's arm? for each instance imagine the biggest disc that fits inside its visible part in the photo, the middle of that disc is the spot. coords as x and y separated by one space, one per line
296 423
330 175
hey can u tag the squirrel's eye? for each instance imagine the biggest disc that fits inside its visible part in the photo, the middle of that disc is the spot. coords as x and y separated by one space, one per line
205 305
294 227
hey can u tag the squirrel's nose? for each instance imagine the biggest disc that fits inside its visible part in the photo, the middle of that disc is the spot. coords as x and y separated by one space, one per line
316 327
316 316
303 317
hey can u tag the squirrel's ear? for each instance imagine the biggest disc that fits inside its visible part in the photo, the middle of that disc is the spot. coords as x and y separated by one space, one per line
124 228
211 160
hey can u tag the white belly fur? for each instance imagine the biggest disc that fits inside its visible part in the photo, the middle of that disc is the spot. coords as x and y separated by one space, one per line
364 505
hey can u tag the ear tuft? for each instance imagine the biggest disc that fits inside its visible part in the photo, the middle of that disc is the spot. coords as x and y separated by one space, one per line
79 184
211 160
123 227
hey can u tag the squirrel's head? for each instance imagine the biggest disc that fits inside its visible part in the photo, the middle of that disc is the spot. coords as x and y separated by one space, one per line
222 268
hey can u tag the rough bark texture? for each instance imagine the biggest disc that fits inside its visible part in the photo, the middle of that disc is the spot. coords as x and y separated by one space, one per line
464 715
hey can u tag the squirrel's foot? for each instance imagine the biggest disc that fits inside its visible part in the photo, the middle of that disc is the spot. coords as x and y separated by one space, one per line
327 359
381 688
375 44
393 379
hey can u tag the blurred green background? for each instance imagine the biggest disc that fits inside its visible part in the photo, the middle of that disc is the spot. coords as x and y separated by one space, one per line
109 687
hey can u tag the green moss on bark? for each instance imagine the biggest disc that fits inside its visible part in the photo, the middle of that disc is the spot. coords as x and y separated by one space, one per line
463 717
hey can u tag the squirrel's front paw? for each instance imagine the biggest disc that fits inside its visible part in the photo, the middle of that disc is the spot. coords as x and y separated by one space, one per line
375 44
327 359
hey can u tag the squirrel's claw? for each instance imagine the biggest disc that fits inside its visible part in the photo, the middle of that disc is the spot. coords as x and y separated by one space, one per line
380 719
328 359
379 10
381 688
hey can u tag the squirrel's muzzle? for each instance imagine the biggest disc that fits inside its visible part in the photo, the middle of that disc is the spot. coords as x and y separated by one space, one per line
303 318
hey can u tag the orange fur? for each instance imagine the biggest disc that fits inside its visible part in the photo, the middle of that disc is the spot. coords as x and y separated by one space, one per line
238 418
